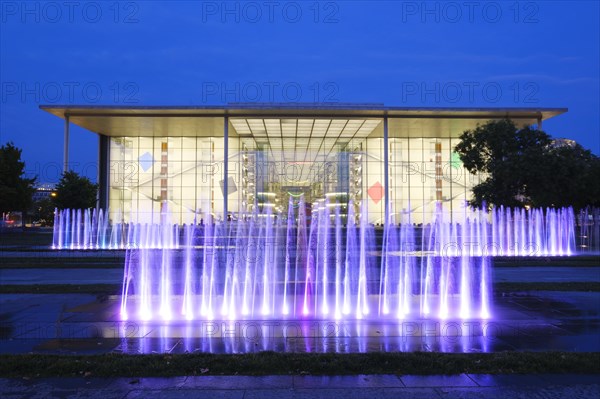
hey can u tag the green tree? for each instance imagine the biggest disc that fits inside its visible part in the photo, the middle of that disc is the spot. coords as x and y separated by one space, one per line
43 211
567 175
524 167
75 192
16 191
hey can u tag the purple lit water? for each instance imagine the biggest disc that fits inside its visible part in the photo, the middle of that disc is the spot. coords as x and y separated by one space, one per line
512 232
267 266
329 263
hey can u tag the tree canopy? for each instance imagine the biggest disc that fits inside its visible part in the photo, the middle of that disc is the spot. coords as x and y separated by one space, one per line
75 192
526 167
16 191
43 211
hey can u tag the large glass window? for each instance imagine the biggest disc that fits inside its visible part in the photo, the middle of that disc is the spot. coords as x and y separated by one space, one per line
424 169
182 173
327 160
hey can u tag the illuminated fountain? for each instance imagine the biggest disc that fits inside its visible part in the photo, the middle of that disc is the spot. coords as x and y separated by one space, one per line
512 232
533 232
84 229
266 266
589 232
327 263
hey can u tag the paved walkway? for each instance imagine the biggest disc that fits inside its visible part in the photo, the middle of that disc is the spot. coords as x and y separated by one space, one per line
546 274
61 276
115 276
282 387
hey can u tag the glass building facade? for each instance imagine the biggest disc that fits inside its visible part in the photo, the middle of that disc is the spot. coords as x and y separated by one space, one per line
228 162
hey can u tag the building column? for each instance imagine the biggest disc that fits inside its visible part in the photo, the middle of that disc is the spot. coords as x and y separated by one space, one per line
103 170
225 165
164 176
438 172
386 171
66 145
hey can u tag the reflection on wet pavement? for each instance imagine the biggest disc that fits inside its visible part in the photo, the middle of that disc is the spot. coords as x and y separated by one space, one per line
78 323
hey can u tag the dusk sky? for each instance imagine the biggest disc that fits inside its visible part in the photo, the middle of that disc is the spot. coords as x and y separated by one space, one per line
413 54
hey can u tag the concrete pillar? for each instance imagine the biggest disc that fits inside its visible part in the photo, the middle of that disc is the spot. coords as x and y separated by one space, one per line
66 145
225 164
386 171
103 170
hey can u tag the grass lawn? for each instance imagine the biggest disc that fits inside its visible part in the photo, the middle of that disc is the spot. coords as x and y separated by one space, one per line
116 259
106 289
115 289
26 237
67 261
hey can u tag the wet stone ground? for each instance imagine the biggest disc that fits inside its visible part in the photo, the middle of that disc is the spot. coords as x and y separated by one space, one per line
89 324
545 386
86 324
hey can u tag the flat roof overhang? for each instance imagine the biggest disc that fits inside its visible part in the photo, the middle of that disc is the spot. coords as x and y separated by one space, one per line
207 120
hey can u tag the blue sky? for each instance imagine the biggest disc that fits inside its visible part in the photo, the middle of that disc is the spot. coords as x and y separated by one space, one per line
400 53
